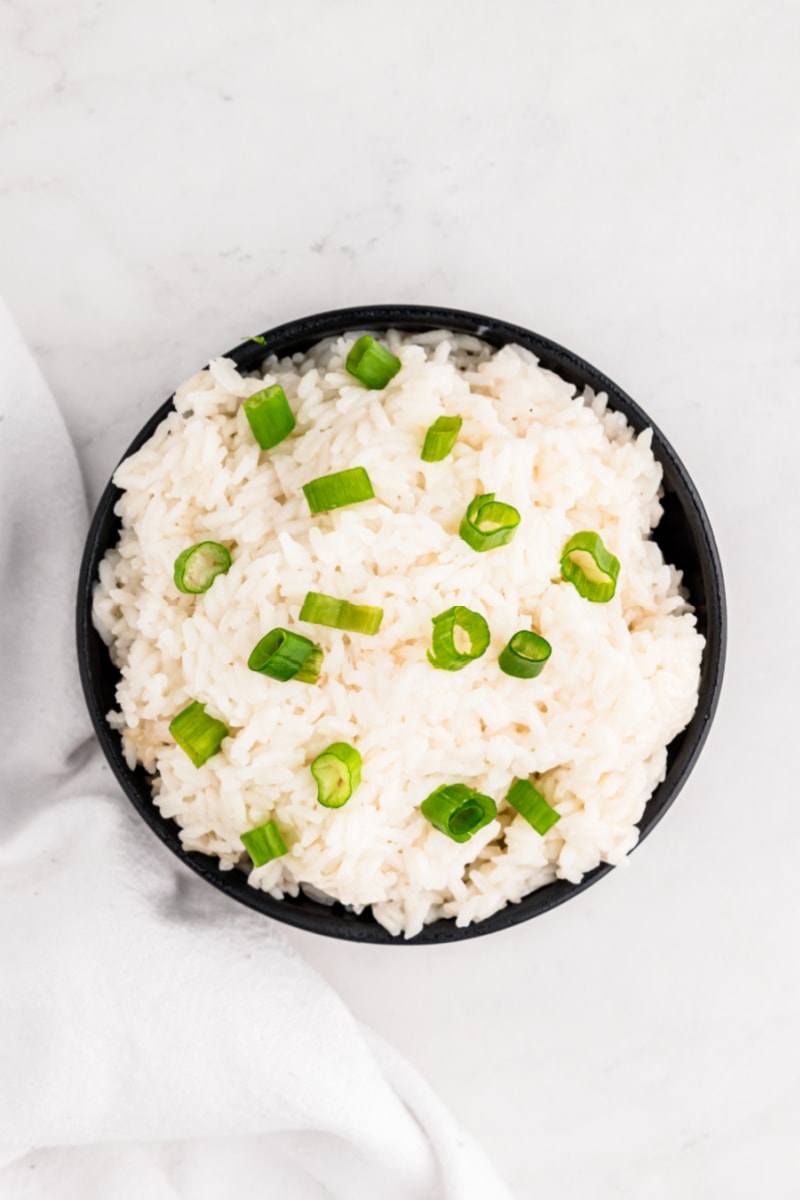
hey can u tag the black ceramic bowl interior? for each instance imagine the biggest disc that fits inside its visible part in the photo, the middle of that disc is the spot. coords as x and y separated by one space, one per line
684 534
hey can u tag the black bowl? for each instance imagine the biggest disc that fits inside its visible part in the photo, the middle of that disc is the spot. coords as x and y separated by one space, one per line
684 534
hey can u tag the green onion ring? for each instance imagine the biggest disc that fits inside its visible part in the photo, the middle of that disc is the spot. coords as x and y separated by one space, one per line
198 735
444 654
591 568
319 609
488 523
525 655
337 774
458 811
531 805
371 363
283 655
264 843
338 490
440 438
269 415
197 567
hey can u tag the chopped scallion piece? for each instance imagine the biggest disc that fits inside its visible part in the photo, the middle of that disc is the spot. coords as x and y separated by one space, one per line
372 363
592 569
337 773
338 490
255 337
532 805
198 735
459 637
196 568
440 438
264 843
525 655
488 523
271 419
319 609
283 655
458 811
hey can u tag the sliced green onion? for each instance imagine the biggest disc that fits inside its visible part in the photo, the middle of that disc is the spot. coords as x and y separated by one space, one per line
372 363
198 735
532 805
264 843
337 490
271 419
459 637
254 337
587 564
458 811
283 655
196 568
440 438
525 655
319 609
488 523
337 773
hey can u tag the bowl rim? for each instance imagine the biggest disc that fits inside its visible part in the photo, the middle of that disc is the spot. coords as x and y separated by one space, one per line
335 921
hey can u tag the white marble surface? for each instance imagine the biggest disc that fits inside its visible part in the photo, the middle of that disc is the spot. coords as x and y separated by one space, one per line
624 178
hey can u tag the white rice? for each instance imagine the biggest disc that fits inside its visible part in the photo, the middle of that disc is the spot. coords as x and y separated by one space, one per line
593 727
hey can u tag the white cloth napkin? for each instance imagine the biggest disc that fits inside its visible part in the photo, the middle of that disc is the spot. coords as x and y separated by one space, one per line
156 1040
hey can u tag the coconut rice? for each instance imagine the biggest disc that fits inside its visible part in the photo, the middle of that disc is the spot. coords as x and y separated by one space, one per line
592 729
